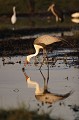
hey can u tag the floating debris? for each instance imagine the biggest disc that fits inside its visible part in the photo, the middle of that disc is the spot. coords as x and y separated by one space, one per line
16 90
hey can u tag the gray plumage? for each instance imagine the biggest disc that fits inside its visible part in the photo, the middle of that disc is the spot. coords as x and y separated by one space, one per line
46 40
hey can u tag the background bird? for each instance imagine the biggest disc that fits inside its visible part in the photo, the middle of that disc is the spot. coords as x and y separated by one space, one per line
56 12
13 18
41 43
75 15
75 20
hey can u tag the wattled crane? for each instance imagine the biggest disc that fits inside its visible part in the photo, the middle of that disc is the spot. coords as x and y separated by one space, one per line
41 43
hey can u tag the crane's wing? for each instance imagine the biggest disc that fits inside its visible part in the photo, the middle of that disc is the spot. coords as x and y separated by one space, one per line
46 40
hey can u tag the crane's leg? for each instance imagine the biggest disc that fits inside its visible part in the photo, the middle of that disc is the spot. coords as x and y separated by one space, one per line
42 63
56 18
45 82
44 53
47 71
44 57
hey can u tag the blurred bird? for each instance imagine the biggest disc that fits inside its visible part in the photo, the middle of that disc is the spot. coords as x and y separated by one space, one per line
75 20
75 15
41 43
13 18
56 12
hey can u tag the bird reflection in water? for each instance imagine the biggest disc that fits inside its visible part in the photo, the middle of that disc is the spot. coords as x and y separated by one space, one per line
42 94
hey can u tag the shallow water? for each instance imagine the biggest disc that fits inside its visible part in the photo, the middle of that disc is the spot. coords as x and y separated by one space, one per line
63 78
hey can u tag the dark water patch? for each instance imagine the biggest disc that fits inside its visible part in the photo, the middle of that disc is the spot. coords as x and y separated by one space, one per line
39 14
17 43
15 47
6 33
22 47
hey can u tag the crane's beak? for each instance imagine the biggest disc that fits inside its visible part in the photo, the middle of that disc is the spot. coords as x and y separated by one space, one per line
26 62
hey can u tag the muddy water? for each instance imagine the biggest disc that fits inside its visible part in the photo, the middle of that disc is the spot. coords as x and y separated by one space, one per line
63 77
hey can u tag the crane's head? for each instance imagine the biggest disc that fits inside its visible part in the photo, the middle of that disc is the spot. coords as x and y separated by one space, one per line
50 7
14 8
27 60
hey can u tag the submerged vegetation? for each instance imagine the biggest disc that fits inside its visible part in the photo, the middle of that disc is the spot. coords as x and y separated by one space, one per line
23 114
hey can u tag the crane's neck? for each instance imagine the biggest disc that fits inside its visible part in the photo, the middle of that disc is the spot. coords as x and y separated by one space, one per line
37 48
33 84
14 12
53 11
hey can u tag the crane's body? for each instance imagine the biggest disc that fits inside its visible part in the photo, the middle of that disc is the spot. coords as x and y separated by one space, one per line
56 12
40 43
45 40
13 18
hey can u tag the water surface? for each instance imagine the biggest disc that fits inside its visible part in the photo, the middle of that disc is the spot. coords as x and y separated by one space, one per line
63 77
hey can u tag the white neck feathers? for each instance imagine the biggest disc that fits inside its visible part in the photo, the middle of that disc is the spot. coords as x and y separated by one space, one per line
14 12
36 52
34 85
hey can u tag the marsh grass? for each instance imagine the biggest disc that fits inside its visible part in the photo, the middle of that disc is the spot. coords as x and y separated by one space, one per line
23 114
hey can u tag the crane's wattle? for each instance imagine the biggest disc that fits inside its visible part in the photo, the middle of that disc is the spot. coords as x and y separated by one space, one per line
26 62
